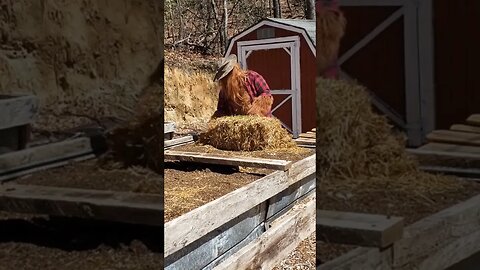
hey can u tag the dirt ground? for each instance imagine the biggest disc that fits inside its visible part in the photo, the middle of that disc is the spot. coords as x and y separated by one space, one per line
188 186
391 202
302 258
28 242
294 154
89 175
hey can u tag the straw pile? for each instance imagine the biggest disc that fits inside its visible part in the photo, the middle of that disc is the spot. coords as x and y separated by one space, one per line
247 133
356 148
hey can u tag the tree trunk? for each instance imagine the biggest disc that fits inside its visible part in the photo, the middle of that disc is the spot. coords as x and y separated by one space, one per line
277 12
310 9
225 25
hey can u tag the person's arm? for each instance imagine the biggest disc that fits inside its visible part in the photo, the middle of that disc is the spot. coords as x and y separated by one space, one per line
263 100
220 106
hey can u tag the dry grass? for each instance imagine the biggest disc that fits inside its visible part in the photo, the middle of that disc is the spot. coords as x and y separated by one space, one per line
247 133
357 150
189 95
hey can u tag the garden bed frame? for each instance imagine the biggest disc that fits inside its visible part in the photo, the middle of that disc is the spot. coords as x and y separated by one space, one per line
253 227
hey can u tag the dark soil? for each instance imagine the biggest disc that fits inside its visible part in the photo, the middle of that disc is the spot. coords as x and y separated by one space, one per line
188 186
90 175
294 154
59 243
411 206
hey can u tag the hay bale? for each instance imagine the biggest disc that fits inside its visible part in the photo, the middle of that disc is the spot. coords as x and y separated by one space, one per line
247 133
358 150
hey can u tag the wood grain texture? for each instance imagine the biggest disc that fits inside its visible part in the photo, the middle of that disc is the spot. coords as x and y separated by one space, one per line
465 128
106 205
474 120
44 154
193 225
17 111
456 137
358 229
284 235
228 160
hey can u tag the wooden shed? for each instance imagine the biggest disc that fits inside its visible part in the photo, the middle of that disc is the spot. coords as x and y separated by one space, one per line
418 58
283 52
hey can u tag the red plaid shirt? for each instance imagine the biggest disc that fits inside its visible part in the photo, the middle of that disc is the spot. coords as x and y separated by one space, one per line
256 87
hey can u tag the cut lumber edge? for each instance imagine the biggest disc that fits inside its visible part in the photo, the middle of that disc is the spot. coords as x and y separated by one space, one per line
359 229
474 119
136 208
169 127
275 164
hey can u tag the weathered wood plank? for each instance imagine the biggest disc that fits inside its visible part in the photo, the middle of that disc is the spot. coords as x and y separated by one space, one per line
189 227
470 174
224 160
436 235
204 252
278 241
308 135
445 158
306 141
474 120
360 259
44 154
178 141
169 127
448 136
451 148
17 111
106 205
465 128
45 166
358 229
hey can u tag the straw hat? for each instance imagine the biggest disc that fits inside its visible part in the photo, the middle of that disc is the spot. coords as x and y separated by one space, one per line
225 66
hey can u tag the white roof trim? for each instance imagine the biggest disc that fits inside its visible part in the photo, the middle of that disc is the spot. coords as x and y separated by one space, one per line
272 24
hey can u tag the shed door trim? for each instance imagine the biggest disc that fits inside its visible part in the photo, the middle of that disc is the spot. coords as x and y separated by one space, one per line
293 45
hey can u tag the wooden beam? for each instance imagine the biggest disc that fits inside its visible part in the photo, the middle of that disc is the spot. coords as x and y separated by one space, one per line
308 135
178 141
447 136
358 229
48 153
168 127
446 158
474 120
451 148
306 141
197 223
467 173
280 239
17 110
465 128
361 258
231 161
70 202
371 3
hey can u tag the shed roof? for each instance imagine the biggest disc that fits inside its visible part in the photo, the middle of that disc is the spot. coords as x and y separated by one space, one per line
305 27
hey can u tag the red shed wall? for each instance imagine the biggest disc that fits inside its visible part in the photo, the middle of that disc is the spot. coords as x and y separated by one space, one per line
307 74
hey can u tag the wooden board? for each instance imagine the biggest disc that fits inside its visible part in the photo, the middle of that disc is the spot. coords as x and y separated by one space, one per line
307 136
17 111
465 128
468 173
281 238
35 156
445 158
361 258
474 120
358 229
306 141
178 141
193 225
169 127
231 161
451 148
457 137
106 205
